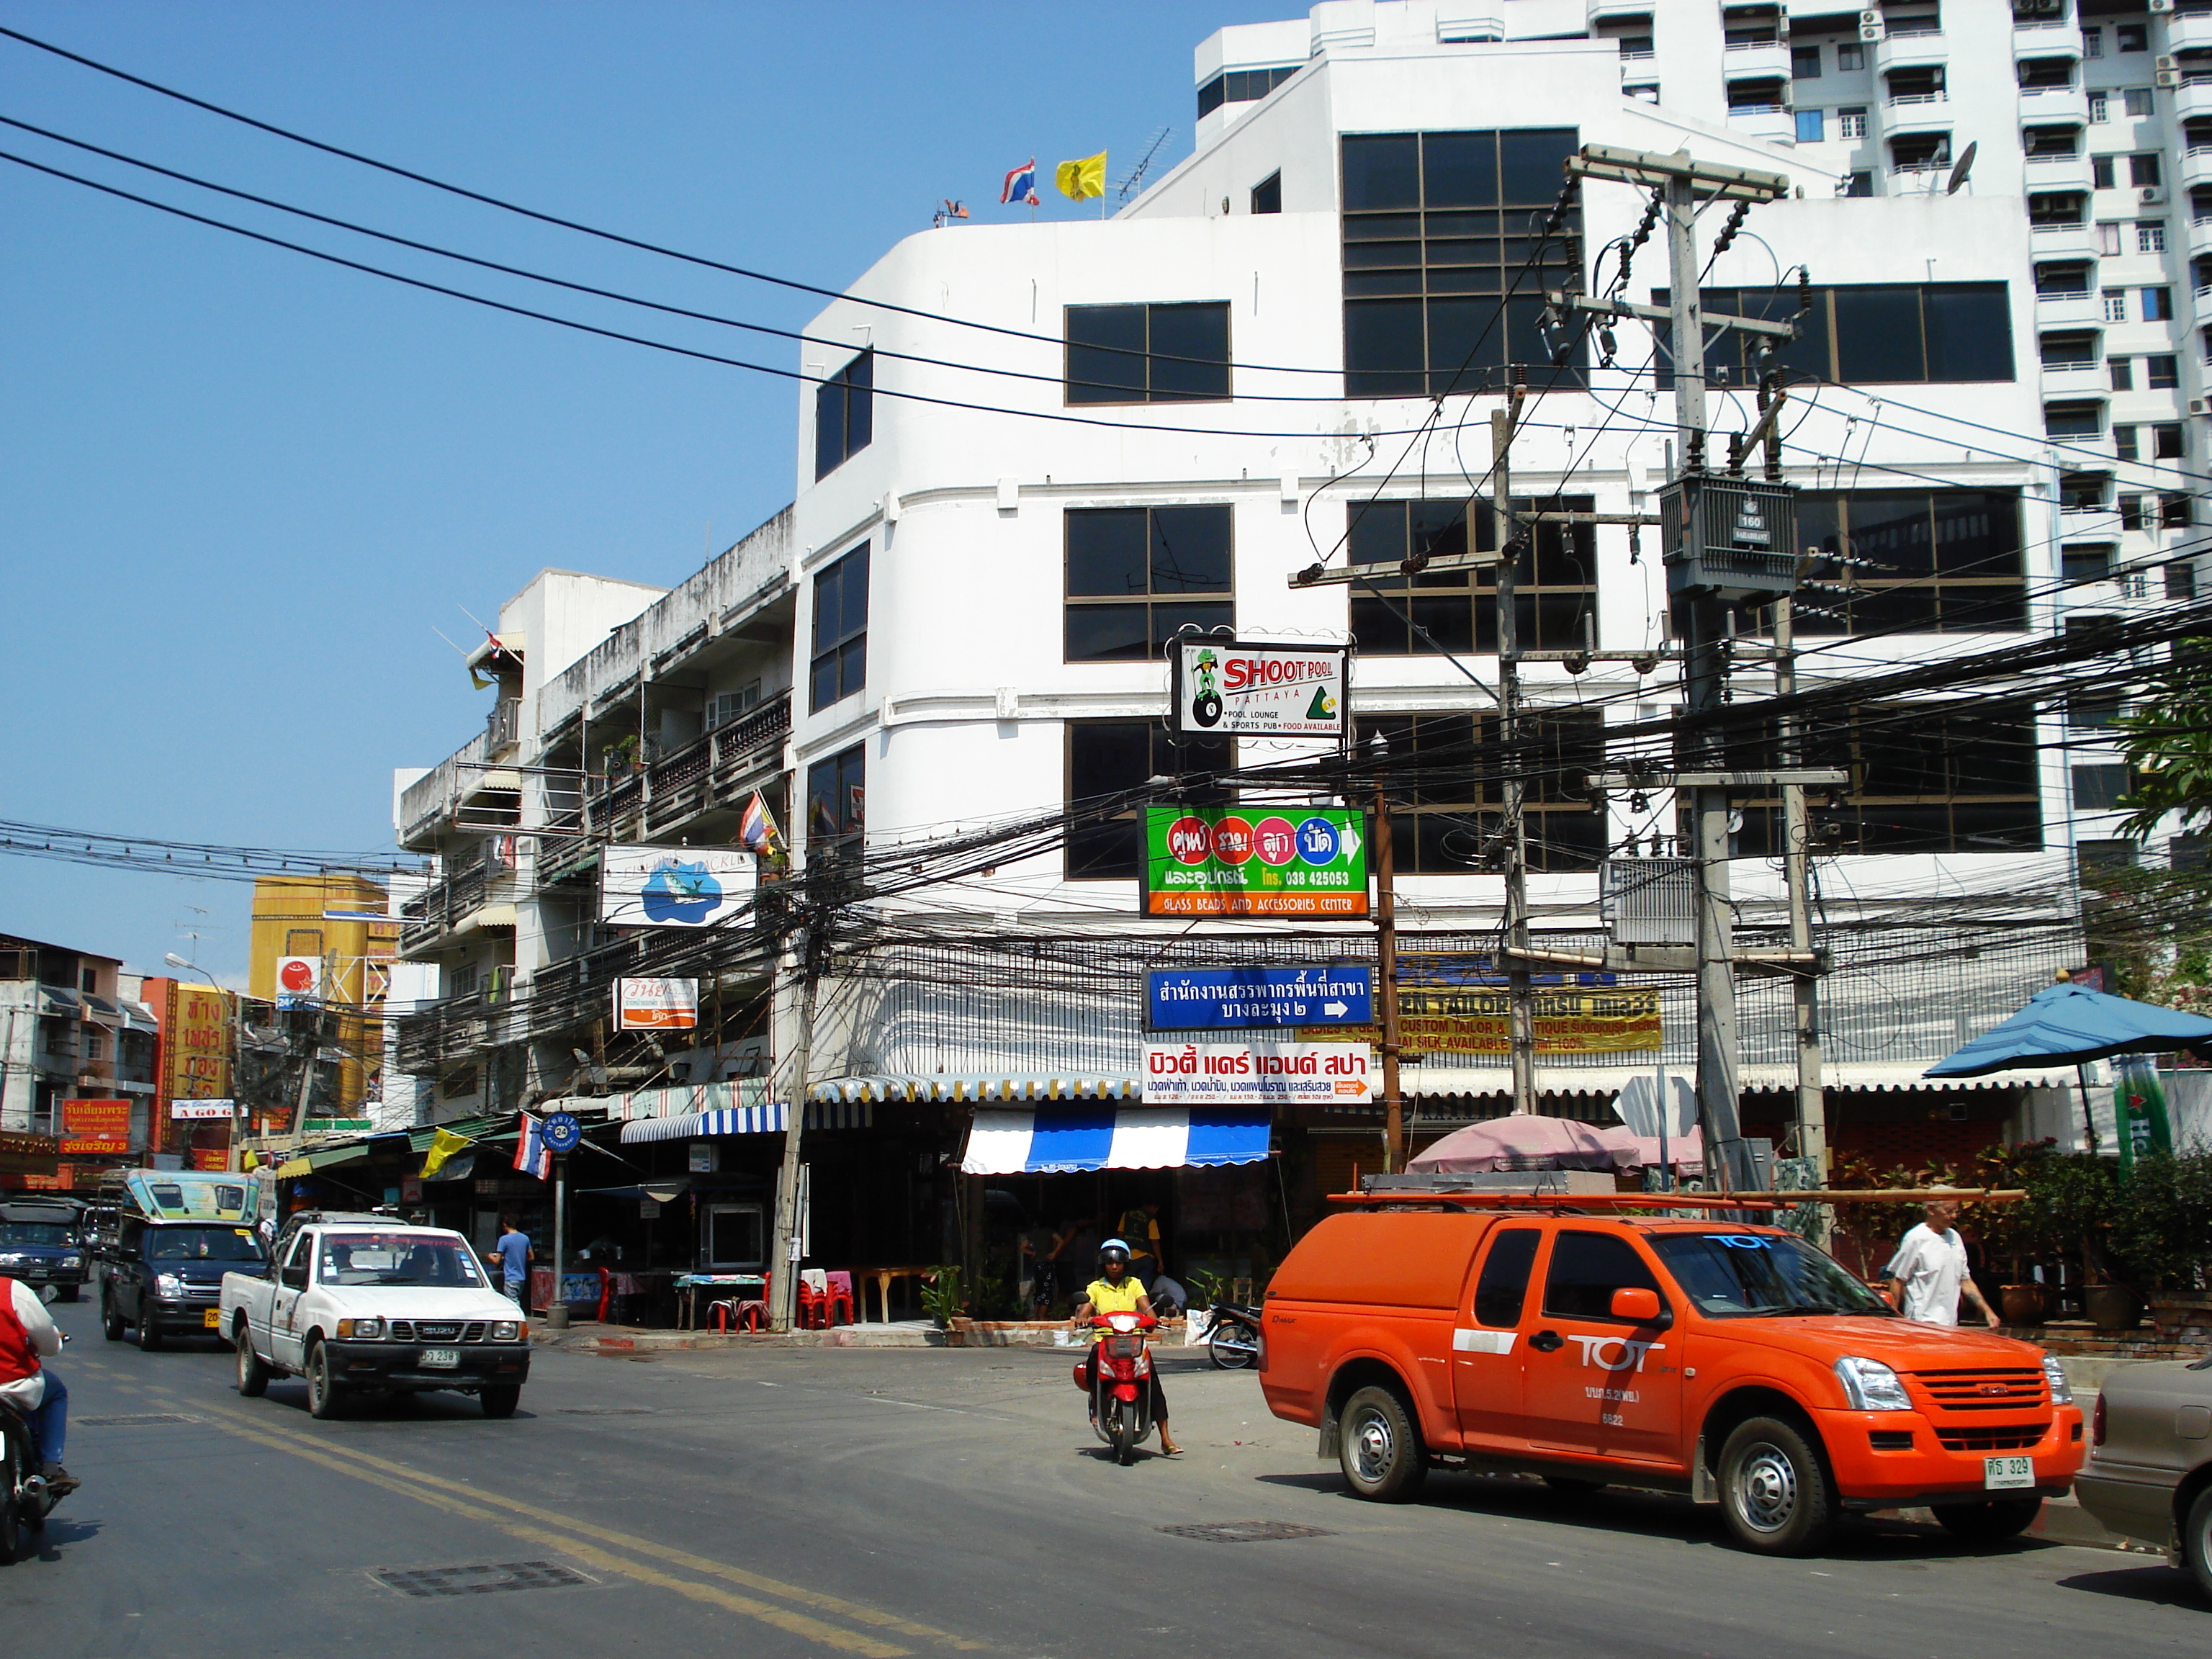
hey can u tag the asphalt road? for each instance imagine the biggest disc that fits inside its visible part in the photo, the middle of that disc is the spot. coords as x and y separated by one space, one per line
881 1503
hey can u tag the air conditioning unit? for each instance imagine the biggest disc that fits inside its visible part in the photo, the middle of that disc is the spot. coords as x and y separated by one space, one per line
2166 77
2150 194
2197 405
1870 26
2165 61
2161 5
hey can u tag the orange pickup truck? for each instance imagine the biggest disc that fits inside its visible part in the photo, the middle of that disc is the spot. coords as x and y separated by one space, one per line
1735 1363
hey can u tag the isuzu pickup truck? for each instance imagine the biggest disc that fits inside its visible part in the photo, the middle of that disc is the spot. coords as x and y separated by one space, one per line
1735 1363
363 1303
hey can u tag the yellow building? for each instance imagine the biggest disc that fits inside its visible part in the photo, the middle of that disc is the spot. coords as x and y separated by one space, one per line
329 940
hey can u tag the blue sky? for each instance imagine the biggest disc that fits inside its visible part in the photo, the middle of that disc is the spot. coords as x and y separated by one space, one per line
239 489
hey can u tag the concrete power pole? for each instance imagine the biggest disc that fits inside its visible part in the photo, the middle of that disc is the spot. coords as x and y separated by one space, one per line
1520 1016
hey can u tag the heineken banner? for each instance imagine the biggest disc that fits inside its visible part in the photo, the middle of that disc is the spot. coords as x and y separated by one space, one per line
2139 1111
1308 861
1472 1019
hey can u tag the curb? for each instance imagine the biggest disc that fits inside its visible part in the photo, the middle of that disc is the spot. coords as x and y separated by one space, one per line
2062 1521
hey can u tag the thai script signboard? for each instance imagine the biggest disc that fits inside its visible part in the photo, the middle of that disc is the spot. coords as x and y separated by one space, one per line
1229 861
1255 1073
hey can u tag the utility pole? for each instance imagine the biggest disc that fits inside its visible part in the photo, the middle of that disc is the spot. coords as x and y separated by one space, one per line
783 1253
1386 951
1520 1011
1796 867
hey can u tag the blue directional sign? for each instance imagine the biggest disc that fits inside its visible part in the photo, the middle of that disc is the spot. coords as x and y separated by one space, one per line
560 1131
1246 998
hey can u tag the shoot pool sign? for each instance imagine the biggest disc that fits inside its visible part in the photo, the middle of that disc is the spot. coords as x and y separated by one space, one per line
1254 861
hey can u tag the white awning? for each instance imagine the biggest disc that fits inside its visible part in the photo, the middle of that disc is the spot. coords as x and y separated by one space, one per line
772 1118
1064 1086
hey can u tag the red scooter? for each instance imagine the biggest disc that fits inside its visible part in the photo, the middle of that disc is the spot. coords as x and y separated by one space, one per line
1121 1386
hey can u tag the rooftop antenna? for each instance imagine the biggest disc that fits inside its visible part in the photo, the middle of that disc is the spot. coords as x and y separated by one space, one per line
1123 190
1962 171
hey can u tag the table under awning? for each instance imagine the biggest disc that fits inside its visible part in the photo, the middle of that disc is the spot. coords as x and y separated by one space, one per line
771 1117
1064 1140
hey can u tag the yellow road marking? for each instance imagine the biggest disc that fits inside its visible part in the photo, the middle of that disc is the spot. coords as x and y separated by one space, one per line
857 1612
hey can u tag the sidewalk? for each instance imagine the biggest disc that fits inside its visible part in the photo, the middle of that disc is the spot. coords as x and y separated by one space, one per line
589 1336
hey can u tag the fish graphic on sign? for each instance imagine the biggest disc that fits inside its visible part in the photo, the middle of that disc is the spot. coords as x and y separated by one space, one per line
677 891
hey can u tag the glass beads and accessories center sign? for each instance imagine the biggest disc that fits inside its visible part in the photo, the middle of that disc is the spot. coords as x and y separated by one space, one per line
1228 861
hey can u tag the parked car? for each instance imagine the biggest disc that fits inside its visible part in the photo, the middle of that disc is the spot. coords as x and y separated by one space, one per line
164 1278
40 1245
366 1303
2150 1460
1736 1364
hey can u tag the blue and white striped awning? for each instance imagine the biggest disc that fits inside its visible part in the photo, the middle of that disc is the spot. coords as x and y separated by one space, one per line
773 1117
1060 1141
1065 1085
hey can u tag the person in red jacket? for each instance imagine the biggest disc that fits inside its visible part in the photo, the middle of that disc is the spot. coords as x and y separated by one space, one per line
28 1336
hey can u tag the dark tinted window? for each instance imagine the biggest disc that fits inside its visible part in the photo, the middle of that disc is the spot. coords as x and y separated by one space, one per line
1135 574
1267 194
1586 1269
1381 172
1504 1286
1875 334
839 660
1940 561
1148 354
1107 757
836 801
844 414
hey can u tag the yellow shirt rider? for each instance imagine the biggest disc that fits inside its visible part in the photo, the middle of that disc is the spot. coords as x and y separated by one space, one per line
1116 1291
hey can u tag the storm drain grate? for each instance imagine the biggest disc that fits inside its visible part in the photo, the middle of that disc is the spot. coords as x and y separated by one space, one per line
477 1580
606 1410
145 1421
1246 1532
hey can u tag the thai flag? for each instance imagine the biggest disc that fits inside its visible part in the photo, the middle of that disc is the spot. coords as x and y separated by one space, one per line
531 1155
757 827
1021 184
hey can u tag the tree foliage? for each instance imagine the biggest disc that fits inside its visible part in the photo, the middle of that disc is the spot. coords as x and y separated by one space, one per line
2168 743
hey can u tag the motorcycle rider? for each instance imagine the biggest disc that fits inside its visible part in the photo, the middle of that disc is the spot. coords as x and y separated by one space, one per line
1116 1291
28 1334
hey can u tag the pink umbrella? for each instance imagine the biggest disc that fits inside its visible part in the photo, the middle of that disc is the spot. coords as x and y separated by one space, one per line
1523 1140
1685 1153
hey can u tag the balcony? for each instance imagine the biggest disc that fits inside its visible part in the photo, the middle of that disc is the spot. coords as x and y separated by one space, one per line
2074 380
2073 308
2189 31
2062 241
2046 173
2193 97
458 1028
2198 235
719 771
474 900
1755 60
1771 122
2195 167
2050 106
2041 37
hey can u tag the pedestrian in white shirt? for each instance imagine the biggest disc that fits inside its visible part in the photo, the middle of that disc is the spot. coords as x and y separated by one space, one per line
28 1336
1928 1273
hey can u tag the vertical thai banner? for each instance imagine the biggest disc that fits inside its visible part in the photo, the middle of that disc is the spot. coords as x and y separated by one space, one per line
195 1053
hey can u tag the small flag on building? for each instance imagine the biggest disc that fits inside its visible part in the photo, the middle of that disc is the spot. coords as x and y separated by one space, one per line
531 1155
443 1145
1021 184
757 827
1079 180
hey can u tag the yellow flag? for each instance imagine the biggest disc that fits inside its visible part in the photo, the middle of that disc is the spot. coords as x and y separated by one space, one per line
1077 179
443 1145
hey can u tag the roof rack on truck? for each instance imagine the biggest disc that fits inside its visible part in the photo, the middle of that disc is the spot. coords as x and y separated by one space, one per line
182 1194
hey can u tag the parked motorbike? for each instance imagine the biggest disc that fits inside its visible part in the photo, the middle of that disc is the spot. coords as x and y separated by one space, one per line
1121 1384
1233 1336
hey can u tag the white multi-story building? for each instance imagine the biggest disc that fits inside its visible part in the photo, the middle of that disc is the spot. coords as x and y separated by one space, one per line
1034 449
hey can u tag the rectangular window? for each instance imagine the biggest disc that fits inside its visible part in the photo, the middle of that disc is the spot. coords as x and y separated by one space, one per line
2108 237
2166 441
1805 63
2099 789
1135 574
2174 513
1586 1269
1867 335
1555 582
1504 1286
1859 184
1452 825
1944 561
2181 580
1267 194
840 665
2093 42
1850 56
2150 235
2100 170
1107 759
2091 711
836 800
1852 123
2073 419
2143 169
1436 231
2116 305
1812 126
2090 562
2094 861
2133 515
2131 37
2123 443
1241 86
2099 109
2135 100
2161 374
844 414
1148 354
2068 352
2158 304
2123 373
2187 852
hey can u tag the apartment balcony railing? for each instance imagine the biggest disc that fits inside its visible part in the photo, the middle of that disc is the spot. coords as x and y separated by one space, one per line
705 774
442 909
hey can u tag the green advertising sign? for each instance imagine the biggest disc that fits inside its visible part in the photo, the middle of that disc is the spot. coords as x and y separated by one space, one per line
1255 862
2139 1111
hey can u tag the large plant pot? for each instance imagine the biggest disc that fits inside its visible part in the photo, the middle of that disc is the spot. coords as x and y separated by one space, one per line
2113 1307
2024 1304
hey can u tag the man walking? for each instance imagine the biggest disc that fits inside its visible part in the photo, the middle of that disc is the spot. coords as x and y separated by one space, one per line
514 1256
1928 1272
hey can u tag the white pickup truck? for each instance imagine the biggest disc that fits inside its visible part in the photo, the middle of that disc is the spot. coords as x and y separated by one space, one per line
365 1304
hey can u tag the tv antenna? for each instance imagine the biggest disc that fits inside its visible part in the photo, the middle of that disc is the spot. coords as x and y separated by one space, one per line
1122 191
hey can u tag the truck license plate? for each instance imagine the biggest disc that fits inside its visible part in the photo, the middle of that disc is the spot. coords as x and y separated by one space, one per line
1998 1473
448 1358
210 1319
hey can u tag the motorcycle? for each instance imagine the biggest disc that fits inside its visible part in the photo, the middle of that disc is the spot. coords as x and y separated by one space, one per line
25 1499
1233 1336
1121 1387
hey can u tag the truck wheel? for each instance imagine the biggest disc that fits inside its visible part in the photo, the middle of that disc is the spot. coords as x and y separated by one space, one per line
1379 1445
1992 1520
1775 1490
150 1339
323 1394
2196 1541
500 1401
110 1322
252 1374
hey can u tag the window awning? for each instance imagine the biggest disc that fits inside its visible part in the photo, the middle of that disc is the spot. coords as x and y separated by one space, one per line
772 1118
1426 1082
1114 1138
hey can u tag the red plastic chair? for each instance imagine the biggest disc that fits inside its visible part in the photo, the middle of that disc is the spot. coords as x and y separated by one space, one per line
840 1295
813 1312
750 1315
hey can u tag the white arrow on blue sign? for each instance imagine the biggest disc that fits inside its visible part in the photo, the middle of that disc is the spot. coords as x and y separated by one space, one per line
1251 999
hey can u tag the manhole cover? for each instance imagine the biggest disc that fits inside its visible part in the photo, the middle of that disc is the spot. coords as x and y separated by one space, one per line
606 1410
477 1580
1246 1532
132 1422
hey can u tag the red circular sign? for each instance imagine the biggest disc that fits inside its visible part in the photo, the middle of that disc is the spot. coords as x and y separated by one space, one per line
1275 840
1232 841
296 975
1189 841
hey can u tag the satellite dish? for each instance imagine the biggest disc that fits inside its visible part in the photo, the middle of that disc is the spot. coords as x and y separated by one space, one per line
1962 170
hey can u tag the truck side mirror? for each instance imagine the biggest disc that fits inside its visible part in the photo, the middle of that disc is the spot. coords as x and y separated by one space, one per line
1635 1304
296 1278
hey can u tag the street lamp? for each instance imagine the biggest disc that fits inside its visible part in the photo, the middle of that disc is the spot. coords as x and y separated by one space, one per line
171 959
